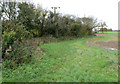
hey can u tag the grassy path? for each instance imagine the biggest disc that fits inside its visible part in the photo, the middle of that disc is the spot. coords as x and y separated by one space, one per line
69 61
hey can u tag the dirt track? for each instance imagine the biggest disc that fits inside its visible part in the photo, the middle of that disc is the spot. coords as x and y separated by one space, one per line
101 42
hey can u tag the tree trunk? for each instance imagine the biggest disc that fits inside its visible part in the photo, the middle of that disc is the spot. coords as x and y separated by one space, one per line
56 32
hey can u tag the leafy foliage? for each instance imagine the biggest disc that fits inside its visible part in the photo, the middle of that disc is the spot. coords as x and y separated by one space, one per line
76 29
14 35
8 38
21 53
12 32
26 15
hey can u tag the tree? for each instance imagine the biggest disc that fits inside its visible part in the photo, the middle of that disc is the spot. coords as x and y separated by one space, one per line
26 15
49 24
65 24
9 10
37 21
76 29
102 25
89 23
44 13
109 29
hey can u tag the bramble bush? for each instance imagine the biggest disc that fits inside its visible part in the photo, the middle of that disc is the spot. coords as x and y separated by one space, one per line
7 39
21 53
11 32
14 35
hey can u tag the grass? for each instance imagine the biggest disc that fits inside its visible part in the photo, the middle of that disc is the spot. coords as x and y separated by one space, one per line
109 37
108 32
68 61
0 74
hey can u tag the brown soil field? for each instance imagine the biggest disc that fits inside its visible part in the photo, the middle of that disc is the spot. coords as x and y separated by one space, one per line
105 43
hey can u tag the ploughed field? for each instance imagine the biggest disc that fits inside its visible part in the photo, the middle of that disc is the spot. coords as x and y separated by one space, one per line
80 60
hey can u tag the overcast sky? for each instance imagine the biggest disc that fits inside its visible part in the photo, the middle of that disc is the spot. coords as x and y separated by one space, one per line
105 10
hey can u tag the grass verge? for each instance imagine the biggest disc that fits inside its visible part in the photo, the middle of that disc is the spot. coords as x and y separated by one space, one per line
68 61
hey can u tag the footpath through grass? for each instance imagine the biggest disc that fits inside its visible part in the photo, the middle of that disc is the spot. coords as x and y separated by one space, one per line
68 61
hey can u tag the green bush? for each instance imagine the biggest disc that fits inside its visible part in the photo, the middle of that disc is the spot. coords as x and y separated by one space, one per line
13 35
7 39
21 53
75 31
12 32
